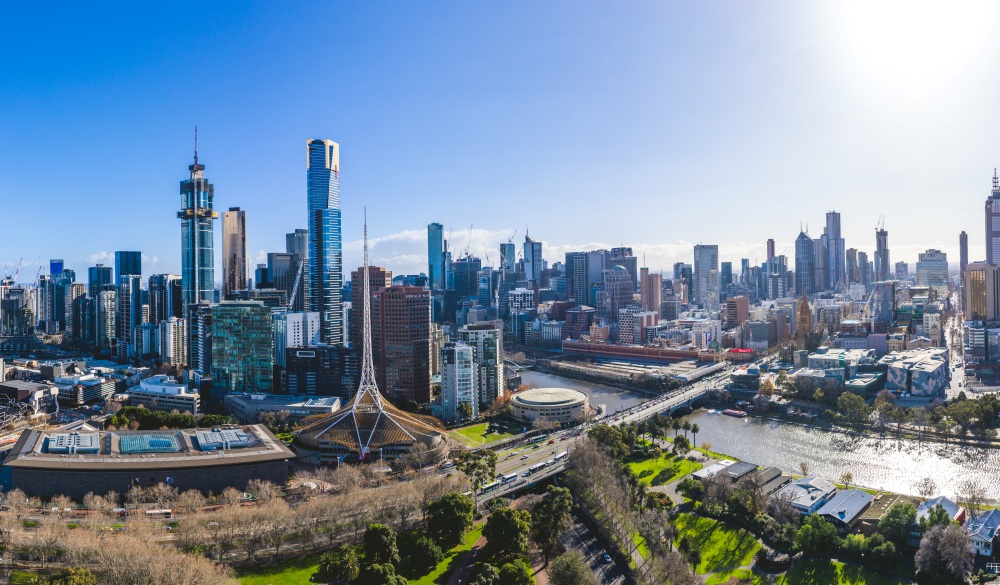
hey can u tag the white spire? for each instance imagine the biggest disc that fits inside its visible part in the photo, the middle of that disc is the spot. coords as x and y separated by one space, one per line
368 382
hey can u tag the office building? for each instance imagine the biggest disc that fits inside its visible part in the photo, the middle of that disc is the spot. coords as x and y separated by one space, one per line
982 292
820 274
325 261
993 223
401 345
321 370
294 329
242 358
378 278
533 263
486 341
963 255
650 287
508 256
234 251
458 382
616 294
173 341
883 269
770 250
199 324
99 278
250 408
705 277
105 325
623 257
128 315
583 271
127 263
165 297
435 257
737 311
197 235
851 266
804 264
932 271
902 271
165 394
296 245
725 280
836 253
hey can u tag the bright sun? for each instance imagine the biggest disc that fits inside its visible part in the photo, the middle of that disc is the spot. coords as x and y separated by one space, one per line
914 45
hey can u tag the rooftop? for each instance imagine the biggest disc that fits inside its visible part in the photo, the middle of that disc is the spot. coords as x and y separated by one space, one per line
846 505
549 396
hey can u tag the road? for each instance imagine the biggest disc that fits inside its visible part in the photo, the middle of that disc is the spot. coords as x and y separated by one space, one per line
581 539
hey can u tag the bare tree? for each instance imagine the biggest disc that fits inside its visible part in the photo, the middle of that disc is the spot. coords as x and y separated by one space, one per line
190 501
804 468
262 490
973 493
926 487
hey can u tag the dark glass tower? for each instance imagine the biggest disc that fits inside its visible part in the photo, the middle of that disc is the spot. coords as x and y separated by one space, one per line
805 264
197 242
325 261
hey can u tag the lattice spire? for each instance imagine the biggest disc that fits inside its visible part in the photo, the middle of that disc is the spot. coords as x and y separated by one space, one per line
368 385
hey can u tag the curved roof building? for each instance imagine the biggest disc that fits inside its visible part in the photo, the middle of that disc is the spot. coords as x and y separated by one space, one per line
554 404
368 427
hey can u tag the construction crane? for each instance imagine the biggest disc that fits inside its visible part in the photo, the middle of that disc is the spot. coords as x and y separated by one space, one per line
295 287
469 245
17 270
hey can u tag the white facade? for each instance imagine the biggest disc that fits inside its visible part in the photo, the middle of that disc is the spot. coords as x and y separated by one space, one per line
705 276
173 341
487 346
458 380
296 329
521 299
932 271
165 394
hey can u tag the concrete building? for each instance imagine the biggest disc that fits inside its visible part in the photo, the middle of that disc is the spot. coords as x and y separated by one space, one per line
737 311
458 382
521 299
234 251
650 286
632 324
921 372
321 370
982 292
902 271
883 269
486 341
578 321
617 293
294 330
165 394
932 271
963 255
173 342
705 277
993 223
248 408
401 344
560 405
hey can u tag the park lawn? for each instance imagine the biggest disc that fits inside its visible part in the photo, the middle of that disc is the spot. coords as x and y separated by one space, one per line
663 469
476 435
725 576
824 572
290 572
640 545
22 577
721 546
452 560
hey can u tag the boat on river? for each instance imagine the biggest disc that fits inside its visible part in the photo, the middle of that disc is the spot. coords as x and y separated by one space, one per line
736 413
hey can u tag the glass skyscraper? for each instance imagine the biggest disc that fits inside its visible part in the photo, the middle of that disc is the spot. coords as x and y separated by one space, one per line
127 263
435 256
325 261
242 354
197 241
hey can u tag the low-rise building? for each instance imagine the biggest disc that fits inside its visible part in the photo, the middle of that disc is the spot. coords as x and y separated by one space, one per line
845 508
921 372
165 394
983 530
247 408
807 495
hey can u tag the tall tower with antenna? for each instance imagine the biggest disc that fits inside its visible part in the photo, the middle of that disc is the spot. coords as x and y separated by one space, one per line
197 215
993 222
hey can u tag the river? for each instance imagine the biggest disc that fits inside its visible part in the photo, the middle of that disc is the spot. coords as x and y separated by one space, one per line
875 462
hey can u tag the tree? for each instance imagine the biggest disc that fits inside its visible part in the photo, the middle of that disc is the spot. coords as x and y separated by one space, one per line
380 545
73 576
818 395
936 516
926 487
506 532
853 408
682 446
484 574
465 411
348 566
550 519
425 553
449 517
804 468
479 466
973 493
691 489
897 522
817 535
384 574
847 478
695 429
766 388
944 554
516 572
570 569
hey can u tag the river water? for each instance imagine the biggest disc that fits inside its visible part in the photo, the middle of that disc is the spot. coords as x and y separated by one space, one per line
875 462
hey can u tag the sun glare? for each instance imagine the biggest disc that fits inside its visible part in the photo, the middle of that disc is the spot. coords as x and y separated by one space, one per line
914 46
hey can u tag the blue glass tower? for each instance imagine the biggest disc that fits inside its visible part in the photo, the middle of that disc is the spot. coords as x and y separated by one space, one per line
325 255
197 242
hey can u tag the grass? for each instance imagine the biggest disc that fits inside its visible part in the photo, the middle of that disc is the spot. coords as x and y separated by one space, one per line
290 572
722 546
22 577
663 469
725 576
478 434
823 572
452 560
640 545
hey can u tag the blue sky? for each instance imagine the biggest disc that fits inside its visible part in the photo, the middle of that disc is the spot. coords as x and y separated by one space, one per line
651 124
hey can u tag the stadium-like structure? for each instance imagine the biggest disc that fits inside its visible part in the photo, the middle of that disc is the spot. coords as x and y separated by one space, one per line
368 427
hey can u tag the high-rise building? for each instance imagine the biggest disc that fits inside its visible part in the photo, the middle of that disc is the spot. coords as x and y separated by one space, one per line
99 278
173 341
297 246
963 255
623 257
883 269
56 267
737 311
378 278
294 329
866 270
325 258
197 235
105 326
128 315
72 292
902 270
616 294
650 287
583 271
435 256
242 358
199 325
508 256
805 252
486 341
533 264
127 263
852 271
705 277
982 292
836 253
234 251
725 279
458 381
770 250
820 259
993 223
164 297
777 279
321 370
401 323
932 271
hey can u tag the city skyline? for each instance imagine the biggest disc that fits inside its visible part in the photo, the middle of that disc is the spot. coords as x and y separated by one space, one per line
795 98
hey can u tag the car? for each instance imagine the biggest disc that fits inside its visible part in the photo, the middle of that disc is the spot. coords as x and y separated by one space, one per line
563 438
523 457
606 558
552 441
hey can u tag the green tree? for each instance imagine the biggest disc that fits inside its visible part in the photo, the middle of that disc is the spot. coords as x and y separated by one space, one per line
484 574
853 408
691 489
380 545
682 446
818 395
550 519
449 517
425 553
611 438
570 569
465 411
73 576
506 532
384 574
897 521
516 572
817 535
695 429
479 466
936 516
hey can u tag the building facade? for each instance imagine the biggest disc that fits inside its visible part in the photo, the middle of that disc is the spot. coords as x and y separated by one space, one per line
458 382
197 215
486 341
401 344
705 277
325 255
234 251
242 358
